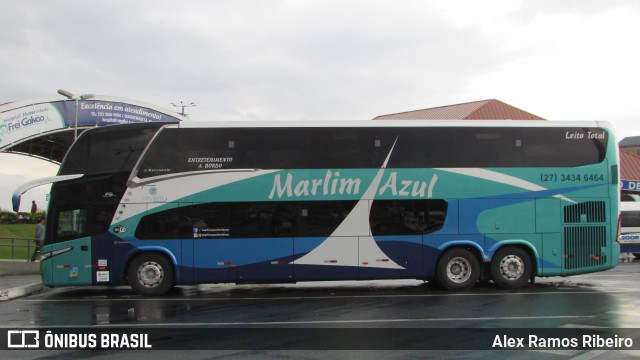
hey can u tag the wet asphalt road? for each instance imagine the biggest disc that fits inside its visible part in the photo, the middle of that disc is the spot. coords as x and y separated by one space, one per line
386 319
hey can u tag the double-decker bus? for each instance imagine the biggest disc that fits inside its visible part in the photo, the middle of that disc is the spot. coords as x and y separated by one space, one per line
457 202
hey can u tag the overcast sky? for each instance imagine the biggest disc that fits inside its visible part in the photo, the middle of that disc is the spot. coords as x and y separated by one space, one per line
323 60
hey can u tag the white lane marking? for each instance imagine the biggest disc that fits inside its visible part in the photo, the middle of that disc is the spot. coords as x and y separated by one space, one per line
590 354
561 352
330 322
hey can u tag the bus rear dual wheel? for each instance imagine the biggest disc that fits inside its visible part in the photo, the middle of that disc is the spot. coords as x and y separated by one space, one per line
511 267
151 274
459 268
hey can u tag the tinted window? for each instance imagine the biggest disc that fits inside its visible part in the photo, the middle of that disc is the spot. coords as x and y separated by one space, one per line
108 149
245 220
559 147
349 147
289 219
631 219
498 147
322 218
263 220
91 189
461 147
270 148
185 150
205 221
407 217
84 206
72 222
182 150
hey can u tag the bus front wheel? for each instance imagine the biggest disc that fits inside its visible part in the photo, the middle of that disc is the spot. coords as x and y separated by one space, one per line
151 274
511 267
458 269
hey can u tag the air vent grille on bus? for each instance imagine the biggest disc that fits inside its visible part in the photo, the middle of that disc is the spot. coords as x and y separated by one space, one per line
583 246
586 212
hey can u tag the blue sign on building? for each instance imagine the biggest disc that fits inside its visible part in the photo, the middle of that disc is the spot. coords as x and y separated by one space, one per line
630 185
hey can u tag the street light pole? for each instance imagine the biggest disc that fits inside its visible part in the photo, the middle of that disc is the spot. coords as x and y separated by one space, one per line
183 105
69 95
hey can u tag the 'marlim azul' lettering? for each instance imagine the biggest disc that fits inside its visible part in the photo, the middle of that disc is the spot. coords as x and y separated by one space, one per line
334 184
402 187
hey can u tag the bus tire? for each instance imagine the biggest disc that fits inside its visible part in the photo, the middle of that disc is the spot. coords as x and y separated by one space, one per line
511 267
458 269
151 274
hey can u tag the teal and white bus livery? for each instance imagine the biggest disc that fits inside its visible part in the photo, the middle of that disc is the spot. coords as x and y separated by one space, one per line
157 205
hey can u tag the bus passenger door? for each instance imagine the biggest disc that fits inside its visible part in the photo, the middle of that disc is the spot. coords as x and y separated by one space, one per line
70 261
72 265
262 238
549 224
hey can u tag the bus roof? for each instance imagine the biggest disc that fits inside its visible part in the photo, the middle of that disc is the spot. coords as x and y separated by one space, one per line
391 123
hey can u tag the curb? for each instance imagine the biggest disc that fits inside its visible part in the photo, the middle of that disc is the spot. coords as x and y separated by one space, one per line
19 267
19 291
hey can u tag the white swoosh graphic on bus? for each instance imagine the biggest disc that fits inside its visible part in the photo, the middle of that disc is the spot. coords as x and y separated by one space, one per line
501 178
346 246
137 200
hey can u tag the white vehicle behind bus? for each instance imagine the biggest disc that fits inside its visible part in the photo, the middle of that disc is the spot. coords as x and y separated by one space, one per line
630 233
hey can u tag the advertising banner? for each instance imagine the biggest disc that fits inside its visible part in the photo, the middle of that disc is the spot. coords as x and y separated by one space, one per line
22 123
28 121
100 113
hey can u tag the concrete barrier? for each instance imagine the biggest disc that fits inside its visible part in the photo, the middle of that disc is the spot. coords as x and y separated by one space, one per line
19 291
19 267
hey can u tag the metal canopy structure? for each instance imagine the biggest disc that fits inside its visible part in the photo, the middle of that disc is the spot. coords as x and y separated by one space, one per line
51 147
45 128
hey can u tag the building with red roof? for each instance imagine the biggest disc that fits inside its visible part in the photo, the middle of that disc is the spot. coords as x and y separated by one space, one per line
630 167
491 109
